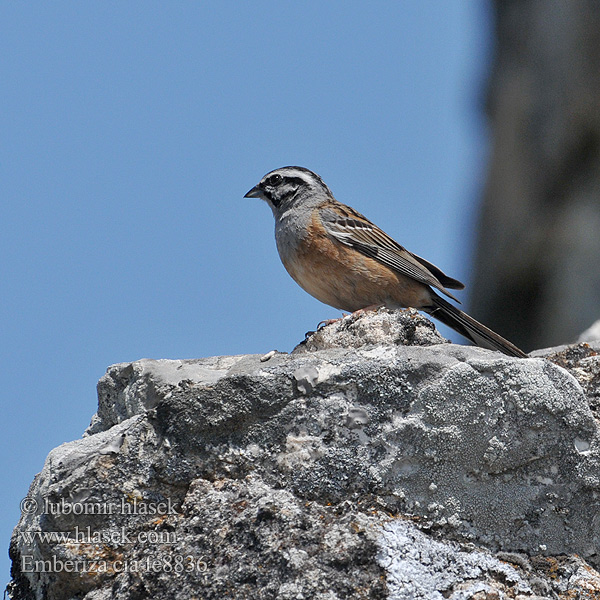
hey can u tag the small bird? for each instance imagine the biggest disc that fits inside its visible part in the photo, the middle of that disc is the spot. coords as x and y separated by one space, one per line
342 259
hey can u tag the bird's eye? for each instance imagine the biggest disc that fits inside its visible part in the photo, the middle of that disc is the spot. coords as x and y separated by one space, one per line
274 179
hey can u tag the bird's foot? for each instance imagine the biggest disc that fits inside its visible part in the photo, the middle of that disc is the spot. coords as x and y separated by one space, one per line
329 322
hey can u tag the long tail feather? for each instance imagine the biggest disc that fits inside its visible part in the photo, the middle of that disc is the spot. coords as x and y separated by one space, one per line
470 328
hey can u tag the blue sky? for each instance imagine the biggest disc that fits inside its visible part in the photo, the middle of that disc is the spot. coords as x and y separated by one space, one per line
130 133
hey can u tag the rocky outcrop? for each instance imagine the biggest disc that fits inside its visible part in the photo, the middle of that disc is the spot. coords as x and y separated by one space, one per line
358 466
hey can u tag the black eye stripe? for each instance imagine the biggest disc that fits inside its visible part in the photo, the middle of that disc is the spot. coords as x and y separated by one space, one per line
297 180
277 179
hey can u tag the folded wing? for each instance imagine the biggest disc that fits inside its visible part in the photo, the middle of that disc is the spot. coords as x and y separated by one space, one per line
354 230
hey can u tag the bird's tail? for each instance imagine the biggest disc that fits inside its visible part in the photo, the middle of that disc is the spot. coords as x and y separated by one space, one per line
470 328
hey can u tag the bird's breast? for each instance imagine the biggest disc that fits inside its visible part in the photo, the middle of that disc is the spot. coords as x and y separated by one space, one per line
339 275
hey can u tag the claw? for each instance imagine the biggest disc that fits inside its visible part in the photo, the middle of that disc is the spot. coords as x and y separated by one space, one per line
326 322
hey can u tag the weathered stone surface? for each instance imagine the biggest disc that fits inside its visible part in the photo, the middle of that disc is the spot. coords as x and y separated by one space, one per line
591 334
345 472
583 362
406 328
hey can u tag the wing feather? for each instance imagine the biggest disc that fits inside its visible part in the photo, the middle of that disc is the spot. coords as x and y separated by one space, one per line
356 231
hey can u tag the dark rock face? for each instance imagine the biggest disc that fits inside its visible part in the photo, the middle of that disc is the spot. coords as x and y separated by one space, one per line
337 471
537 277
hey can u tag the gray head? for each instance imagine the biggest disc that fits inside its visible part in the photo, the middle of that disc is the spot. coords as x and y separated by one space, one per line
287 186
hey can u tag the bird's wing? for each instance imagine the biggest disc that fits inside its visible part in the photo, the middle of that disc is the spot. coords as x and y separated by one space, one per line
353 229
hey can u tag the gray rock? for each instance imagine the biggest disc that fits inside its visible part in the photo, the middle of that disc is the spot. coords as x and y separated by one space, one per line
374 471
420 568
405 328
591 334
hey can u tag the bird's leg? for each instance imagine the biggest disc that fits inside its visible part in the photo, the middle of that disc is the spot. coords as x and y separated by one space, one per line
330 321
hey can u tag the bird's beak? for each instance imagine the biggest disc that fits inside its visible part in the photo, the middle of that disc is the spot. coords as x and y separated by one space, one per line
255 192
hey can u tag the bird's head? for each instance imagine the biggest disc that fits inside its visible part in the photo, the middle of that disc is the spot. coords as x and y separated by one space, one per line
290 186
